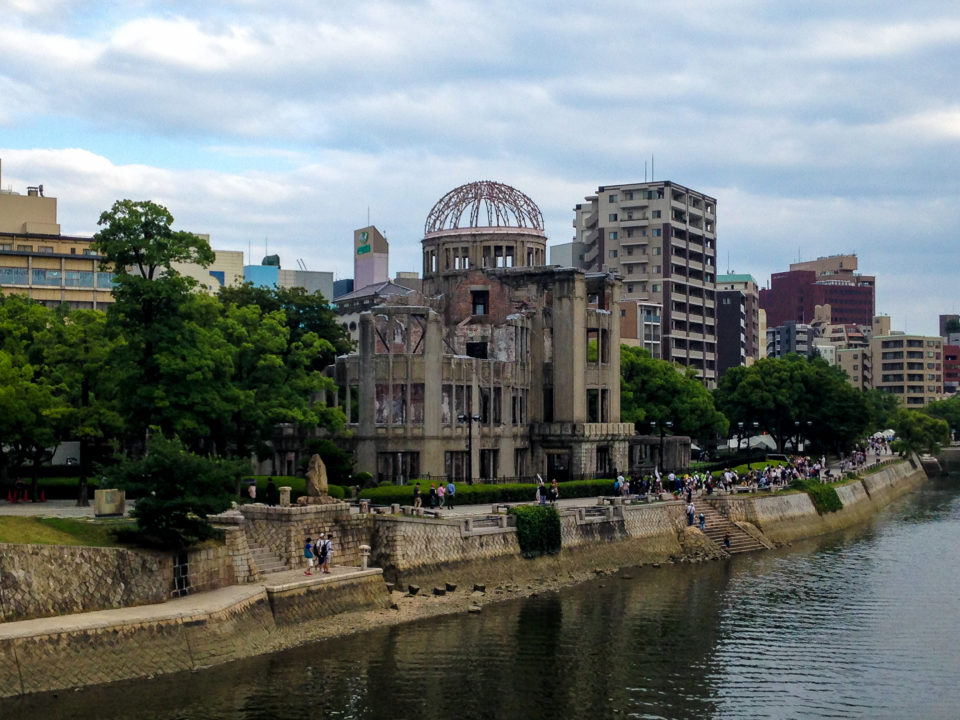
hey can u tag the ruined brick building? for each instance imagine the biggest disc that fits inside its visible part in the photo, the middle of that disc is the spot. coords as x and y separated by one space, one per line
503 367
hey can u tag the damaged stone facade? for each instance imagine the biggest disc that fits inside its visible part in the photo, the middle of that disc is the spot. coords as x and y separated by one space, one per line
502 368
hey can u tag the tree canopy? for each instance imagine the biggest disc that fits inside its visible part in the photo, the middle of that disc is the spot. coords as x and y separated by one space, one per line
653 390
793 398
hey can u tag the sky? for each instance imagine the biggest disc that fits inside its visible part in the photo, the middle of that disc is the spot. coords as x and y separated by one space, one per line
821 128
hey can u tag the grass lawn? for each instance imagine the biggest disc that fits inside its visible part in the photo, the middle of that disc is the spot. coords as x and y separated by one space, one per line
60 531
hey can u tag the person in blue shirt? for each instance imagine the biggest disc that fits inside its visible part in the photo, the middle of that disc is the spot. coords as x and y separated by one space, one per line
451 491
308 554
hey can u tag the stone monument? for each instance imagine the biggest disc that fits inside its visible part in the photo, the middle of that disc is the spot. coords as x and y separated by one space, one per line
317 486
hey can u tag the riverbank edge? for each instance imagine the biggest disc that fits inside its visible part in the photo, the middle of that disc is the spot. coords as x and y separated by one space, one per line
65 653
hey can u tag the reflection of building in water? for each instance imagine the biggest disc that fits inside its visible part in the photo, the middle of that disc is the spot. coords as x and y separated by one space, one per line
501 367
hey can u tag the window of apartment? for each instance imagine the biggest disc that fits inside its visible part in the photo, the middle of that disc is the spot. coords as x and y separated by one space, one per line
614 235
612 198
612 217
630 288
25 248
477 350
630 250
657 269
655 214
629 232
6 246
657 250
88 251
658 232
613 253
643 232
46 249
480 301
656 287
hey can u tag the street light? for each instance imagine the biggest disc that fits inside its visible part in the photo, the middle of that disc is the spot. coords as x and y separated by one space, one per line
739 436
662 424
470 420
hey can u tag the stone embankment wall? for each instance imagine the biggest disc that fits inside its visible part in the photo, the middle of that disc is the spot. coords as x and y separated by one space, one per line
46 580
784 517
474 550
105 647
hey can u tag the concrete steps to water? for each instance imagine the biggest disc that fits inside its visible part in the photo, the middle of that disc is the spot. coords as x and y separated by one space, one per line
718 527
267 561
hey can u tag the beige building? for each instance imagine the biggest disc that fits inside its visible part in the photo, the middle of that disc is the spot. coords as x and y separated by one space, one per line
660 237
39 262
503 367
908 366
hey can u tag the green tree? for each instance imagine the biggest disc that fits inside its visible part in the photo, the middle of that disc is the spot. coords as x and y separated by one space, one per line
654 390
172 366
881 408
176 490
304 313
918 432
80 355
783 395
947 410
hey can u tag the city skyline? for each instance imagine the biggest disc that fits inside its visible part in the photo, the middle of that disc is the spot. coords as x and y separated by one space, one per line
820 129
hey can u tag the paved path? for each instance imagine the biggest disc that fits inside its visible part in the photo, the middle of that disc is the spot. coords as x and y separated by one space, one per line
50 508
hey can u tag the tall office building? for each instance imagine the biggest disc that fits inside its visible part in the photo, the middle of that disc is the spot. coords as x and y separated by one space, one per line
371 257
794 295
660 237
738 322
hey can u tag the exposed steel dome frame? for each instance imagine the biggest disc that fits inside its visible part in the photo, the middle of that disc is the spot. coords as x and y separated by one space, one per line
505 207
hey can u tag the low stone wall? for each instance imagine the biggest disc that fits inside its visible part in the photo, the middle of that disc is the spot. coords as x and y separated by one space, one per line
485 550
107 646
45 580
283 530
785 517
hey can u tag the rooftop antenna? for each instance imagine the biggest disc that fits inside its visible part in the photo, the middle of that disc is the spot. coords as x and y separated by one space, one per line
651 167
644 170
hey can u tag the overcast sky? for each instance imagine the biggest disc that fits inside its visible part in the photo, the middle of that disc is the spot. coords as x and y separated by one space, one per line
820 127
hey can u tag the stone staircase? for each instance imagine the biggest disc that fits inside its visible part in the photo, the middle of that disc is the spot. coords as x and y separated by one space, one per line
717 527
267 561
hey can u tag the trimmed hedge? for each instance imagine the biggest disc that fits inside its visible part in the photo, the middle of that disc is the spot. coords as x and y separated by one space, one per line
478 494
538 529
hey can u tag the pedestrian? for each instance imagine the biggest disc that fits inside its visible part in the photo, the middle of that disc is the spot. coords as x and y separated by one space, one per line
441 493
451 491
434 498
620 482
726 541
308 554
554 491
327 553
417 501
271 492
703 522
690 512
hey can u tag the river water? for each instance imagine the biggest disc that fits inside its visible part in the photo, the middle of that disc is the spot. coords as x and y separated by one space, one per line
864 624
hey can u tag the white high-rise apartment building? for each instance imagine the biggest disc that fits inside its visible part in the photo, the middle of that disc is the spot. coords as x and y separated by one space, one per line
660 237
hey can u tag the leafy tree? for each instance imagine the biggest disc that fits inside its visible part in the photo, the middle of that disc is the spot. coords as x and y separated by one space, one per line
783 394
176 490
304 313
80 356
919 432
881 407
656 390
137 236
947 410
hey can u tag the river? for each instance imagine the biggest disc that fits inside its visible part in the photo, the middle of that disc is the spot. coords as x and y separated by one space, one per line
864 624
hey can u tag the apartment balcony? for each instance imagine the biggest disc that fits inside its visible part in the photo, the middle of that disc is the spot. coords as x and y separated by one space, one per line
590 221
590 255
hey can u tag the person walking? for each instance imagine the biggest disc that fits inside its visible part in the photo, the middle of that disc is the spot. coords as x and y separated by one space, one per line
327 553
451 492
308 555
690 513
434 498
703 522
417 500
441 494
554 491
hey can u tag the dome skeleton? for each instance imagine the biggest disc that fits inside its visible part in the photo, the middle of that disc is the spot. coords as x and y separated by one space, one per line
504 207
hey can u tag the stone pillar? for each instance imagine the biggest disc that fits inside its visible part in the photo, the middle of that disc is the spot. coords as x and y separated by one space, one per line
285 491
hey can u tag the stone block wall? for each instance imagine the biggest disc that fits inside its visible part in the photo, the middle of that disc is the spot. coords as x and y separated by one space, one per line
283 530
315 602
46 580
202 569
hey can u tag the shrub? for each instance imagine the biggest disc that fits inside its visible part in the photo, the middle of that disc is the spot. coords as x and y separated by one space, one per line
538 529
481 493
824 497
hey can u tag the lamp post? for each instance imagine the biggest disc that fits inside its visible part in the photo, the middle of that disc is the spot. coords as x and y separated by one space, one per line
470 420
661 424
739 436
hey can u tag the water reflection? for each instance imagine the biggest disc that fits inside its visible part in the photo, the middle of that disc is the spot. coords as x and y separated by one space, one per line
861 624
